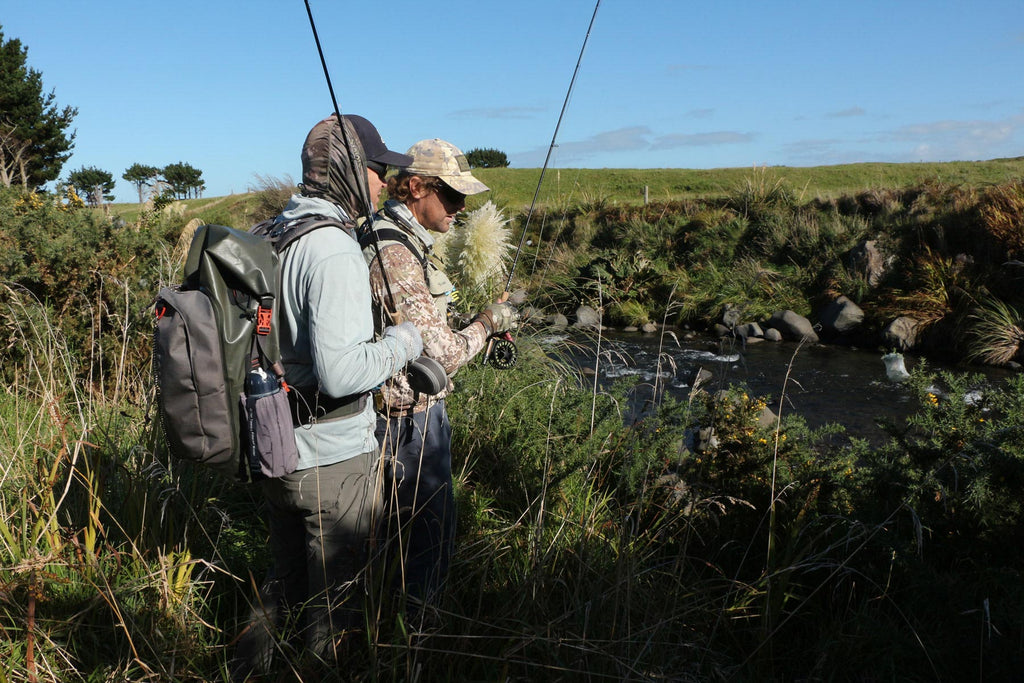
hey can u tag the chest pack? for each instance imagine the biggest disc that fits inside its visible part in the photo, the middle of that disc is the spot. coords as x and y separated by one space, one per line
221 394
438 283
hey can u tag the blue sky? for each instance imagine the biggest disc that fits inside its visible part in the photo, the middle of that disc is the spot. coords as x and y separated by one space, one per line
233 87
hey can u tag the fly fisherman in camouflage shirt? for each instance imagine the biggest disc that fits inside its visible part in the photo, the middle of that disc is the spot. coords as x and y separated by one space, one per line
413 427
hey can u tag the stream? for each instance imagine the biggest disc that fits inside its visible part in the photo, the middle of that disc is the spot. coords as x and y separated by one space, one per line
826 384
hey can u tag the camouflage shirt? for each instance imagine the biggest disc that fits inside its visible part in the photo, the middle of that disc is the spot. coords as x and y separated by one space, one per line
421 296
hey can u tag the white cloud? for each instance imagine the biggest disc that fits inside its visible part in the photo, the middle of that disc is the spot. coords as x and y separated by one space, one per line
620 140
721 137
700 113
952 139
945 140
629 139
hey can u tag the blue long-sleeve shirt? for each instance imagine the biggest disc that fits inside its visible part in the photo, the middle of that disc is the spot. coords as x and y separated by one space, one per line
327 333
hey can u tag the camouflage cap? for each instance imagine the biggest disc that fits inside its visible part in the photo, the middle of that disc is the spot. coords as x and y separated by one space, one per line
445 161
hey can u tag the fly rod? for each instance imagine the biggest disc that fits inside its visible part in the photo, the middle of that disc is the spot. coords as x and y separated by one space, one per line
551 147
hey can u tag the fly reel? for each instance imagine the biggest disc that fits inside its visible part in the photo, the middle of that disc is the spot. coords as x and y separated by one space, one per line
502 352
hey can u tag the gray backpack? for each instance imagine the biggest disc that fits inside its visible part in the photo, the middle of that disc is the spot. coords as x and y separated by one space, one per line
221 394
216 358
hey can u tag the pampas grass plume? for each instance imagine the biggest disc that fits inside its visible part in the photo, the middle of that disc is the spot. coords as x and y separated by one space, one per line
480 247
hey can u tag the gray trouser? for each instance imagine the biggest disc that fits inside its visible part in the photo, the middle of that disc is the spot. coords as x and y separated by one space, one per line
419 501
320 528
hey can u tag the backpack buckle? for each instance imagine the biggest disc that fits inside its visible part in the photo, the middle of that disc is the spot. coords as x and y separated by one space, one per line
263 320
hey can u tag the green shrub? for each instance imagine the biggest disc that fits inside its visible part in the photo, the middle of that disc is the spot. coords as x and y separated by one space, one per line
90 274
627 313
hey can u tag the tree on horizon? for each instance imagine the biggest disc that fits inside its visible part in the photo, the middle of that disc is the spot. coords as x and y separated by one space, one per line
93 183
34 137
141 175
185 180
487 158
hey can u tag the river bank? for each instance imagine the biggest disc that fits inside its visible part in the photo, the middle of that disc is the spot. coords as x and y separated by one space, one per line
933 270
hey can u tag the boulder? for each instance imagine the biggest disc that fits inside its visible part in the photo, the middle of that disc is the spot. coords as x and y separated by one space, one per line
793 326
749 330
730 316
697 379
706 440
517 297
868 259
558 321
901 333
587 316
771 334
767 418
530 313
840 316
649 328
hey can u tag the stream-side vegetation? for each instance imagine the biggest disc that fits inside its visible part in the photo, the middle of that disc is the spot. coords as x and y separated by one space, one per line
692 540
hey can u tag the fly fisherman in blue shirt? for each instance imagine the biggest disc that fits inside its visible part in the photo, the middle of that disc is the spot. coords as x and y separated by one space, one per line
321 515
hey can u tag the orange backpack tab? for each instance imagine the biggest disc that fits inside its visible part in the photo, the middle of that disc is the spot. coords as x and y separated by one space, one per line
263 319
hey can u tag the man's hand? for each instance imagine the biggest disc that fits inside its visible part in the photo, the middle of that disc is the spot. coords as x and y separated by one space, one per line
497 317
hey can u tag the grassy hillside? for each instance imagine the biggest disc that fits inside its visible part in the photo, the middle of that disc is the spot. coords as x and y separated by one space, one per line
513 188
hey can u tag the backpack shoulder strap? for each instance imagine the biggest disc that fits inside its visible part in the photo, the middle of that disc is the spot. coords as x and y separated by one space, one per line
282 234
388 234
394 236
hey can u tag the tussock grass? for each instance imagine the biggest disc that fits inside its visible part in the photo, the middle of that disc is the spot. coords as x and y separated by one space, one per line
997 334
478 252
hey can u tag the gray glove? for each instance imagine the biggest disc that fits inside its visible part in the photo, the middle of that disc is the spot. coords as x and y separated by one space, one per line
497 318
408 337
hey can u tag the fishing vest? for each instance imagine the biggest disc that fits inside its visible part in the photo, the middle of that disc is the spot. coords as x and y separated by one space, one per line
385 234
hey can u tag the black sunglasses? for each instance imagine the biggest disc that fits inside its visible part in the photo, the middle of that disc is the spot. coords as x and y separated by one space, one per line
448 193
380 169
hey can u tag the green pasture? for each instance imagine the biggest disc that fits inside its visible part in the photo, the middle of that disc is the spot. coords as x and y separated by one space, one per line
514 188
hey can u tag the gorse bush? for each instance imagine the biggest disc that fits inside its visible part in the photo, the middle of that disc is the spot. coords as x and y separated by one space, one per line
802 536
93 276
958 464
